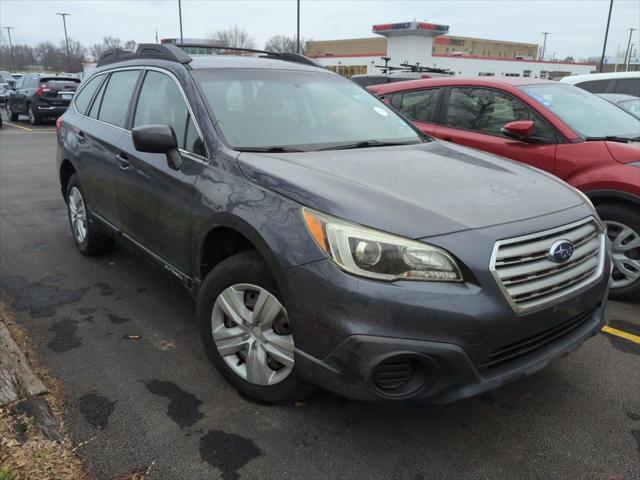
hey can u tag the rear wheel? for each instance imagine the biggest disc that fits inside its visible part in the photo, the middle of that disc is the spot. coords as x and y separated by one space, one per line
623 230
88 240
246 331
34 119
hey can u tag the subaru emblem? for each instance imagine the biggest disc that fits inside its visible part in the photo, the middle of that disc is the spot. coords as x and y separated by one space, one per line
561 251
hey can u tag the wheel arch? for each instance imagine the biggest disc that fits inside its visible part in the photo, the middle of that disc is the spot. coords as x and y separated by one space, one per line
601 197
67 169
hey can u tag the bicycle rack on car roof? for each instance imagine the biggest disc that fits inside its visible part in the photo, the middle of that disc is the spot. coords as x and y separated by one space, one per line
174 53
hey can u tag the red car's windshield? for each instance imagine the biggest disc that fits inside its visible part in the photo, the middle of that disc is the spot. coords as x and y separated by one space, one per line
586 113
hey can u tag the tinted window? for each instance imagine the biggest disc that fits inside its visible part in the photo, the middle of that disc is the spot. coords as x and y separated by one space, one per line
630 86
488 111
594 86
420 105
161 102
396 100
115 100
193 142
83 98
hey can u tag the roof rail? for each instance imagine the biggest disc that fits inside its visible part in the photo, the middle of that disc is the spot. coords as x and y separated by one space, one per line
289 57
145 50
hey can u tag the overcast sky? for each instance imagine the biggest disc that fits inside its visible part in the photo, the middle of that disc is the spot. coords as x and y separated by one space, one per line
577 27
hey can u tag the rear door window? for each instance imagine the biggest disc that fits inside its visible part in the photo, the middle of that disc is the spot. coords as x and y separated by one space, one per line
420 105
116 97
83 98
629 86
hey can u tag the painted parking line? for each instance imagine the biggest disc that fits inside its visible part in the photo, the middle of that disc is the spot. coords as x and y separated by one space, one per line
18 126
621 333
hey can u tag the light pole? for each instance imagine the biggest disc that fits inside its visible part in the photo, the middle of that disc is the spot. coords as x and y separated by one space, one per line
606 34
544 45
66 38
180 16
10 47
628 52
298 30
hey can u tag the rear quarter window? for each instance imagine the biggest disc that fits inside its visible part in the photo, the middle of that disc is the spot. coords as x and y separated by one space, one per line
83 98
594 86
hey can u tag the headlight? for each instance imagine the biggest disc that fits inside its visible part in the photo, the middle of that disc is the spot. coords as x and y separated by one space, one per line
382 256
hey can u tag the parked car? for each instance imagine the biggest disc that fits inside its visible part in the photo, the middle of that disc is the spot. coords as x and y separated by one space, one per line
564 130
370 79
628 103
326 240
627 83
41 96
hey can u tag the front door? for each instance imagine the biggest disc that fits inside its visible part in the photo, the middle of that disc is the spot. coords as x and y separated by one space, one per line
155 200
474 118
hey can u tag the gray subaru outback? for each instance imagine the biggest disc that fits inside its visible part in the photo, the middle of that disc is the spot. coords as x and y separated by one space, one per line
327 241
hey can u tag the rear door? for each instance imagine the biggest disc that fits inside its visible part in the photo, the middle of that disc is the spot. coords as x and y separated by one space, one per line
98 135
420 106
155 200
474 117
17 97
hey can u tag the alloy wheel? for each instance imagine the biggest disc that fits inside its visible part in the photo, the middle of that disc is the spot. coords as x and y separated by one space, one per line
78 215
625 253
251 331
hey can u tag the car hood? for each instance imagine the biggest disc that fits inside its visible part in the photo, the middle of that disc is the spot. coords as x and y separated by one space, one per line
624 152
416 190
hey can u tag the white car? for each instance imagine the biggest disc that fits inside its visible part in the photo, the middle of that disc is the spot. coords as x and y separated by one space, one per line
611 82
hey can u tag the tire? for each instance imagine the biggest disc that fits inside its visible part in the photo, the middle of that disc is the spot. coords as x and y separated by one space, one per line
34 119
89 241
623 229
239 277
13 116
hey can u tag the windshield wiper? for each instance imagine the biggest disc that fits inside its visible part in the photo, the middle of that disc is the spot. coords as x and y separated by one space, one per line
613 138
365 144
273 149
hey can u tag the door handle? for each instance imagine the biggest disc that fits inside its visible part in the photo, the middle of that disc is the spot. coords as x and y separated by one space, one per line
79 134
123 160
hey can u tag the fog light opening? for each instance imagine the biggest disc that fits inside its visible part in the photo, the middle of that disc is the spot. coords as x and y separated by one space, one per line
401 375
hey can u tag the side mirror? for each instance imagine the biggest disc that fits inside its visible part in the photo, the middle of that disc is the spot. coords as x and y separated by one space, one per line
158 139
520 129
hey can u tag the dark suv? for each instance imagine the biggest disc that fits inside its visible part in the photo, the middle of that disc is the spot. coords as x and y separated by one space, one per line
326 240
41 96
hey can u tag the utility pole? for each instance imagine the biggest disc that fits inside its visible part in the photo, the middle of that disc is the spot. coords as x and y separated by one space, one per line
66 38
629 59
10 47
615 68
544 45
628 52
180 15
606 34
298 30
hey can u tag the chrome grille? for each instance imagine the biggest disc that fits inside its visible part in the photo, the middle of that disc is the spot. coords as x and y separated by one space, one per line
529 279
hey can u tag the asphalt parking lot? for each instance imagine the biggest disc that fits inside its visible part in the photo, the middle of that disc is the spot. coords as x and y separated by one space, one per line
157 400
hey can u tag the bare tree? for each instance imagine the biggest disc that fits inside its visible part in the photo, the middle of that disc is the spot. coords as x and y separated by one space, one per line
130 45
235 37
284 44
107 43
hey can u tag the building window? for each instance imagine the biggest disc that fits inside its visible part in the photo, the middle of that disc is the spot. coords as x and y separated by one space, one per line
511 74
526 73
543 74
486 74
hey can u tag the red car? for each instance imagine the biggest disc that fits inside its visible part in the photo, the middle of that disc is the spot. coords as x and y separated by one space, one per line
576 135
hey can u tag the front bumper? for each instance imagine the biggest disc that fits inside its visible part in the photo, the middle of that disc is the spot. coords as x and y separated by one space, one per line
465 336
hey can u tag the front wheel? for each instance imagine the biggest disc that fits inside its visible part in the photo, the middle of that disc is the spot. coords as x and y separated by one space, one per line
246 331
13 116
89 241
623 230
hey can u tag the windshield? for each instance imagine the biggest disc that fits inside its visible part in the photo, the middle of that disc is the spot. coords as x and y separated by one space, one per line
258 108
584 112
